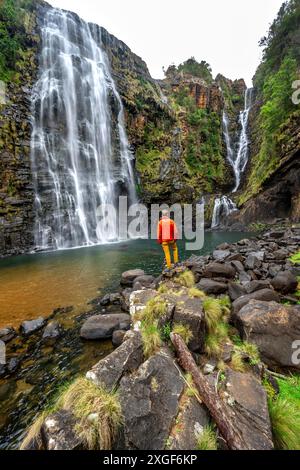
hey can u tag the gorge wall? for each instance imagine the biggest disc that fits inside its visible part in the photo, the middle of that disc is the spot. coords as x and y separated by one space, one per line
174 126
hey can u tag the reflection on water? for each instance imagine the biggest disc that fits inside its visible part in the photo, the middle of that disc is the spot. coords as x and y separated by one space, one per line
33 285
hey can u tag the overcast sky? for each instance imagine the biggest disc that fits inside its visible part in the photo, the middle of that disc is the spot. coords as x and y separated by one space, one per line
225 33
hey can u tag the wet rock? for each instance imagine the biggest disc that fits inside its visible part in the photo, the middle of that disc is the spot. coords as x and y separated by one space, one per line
103 326
118 337
53 330
209 286
248 399
7 334
59 432
235 290
285 282
264 294
193 418
3 370
128 277
274 328
32 326
221 255
150 402
13 365
190 312
219 270
126 358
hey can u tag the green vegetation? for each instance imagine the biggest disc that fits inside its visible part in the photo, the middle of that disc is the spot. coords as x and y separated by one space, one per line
186 279
192 67
207 439
216 317
151 339
273 80
195 293
295 259
284 411
184 331
12 36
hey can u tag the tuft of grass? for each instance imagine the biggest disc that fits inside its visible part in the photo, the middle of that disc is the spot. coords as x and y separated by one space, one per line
163 289
166 331
213 312
155 308
285 420
290 388
186 279
151 339
295 259
225 304
98 411
34 430
207 439
184 331
195 293
237 362
251 350
213 346
191 389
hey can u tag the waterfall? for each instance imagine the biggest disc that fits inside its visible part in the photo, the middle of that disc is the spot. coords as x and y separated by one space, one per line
238 160
222 208
79 149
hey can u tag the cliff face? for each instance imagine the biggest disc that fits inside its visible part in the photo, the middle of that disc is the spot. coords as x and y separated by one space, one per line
16 192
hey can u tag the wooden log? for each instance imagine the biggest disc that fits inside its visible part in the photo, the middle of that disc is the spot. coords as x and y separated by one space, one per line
220 411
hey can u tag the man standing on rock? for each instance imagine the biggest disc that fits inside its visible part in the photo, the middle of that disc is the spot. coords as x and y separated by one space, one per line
167 236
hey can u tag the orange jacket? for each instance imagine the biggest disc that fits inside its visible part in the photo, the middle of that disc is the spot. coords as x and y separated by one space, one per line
166 230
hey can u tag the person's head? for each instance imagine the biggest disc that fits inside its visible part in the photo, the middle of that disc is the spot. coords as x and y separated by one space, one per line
165 213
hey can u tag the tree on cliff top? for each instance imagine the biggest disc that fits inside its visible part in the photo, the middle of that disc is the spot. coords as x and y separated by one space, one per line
192 67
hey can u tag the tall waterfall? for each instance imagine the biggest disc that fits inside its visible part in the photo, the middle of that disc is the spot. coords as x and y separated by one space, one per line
238 160
79 148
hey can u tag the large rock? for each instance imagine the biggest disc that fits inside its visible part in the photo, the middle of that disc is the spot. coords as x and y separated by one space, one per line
248 400
219 270
274 328
59 432
255 260
221 255
52 331
235 290
145 281
7 334
138 300
32 326
189 312
263 294
127 358
128 277
285 282
150 403
103 326
209 286
193 417
254 286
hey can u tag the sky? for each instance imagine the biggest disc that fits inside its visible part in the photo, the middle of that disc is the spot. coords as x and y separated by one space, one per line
225 33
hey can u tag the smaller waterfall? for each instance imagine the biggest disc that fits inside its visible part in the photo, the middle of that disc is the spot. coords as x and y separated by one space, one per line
222 208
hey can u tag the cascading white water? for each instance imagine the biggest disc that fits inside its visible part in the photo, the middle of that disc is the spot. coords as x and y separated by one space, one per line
238 160
79 148
222 208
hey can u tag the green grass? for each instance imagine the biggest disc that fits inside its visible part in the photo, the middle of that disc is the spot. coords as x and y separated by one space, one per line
285 420
184 331
295 259
207 439
186 279
195 293
237 362
213 312
151 339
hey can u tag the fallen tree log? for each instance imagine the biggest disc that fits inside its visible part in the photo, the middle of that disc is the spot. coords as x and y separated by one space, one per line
219 410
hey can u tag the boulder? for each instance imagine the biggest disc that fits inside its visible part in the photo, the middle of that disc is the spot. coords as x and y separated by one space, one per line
244 277
118 337
150 402
59 432
193 418
238 266
190 312
111 299
221 255
254 286
141 282
255 260
235 290
103 326
224 246
264 294
138 300
209 286
126 358
285 282
274 328
53 330
7 334
32 326
248 399
219 270
128 277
